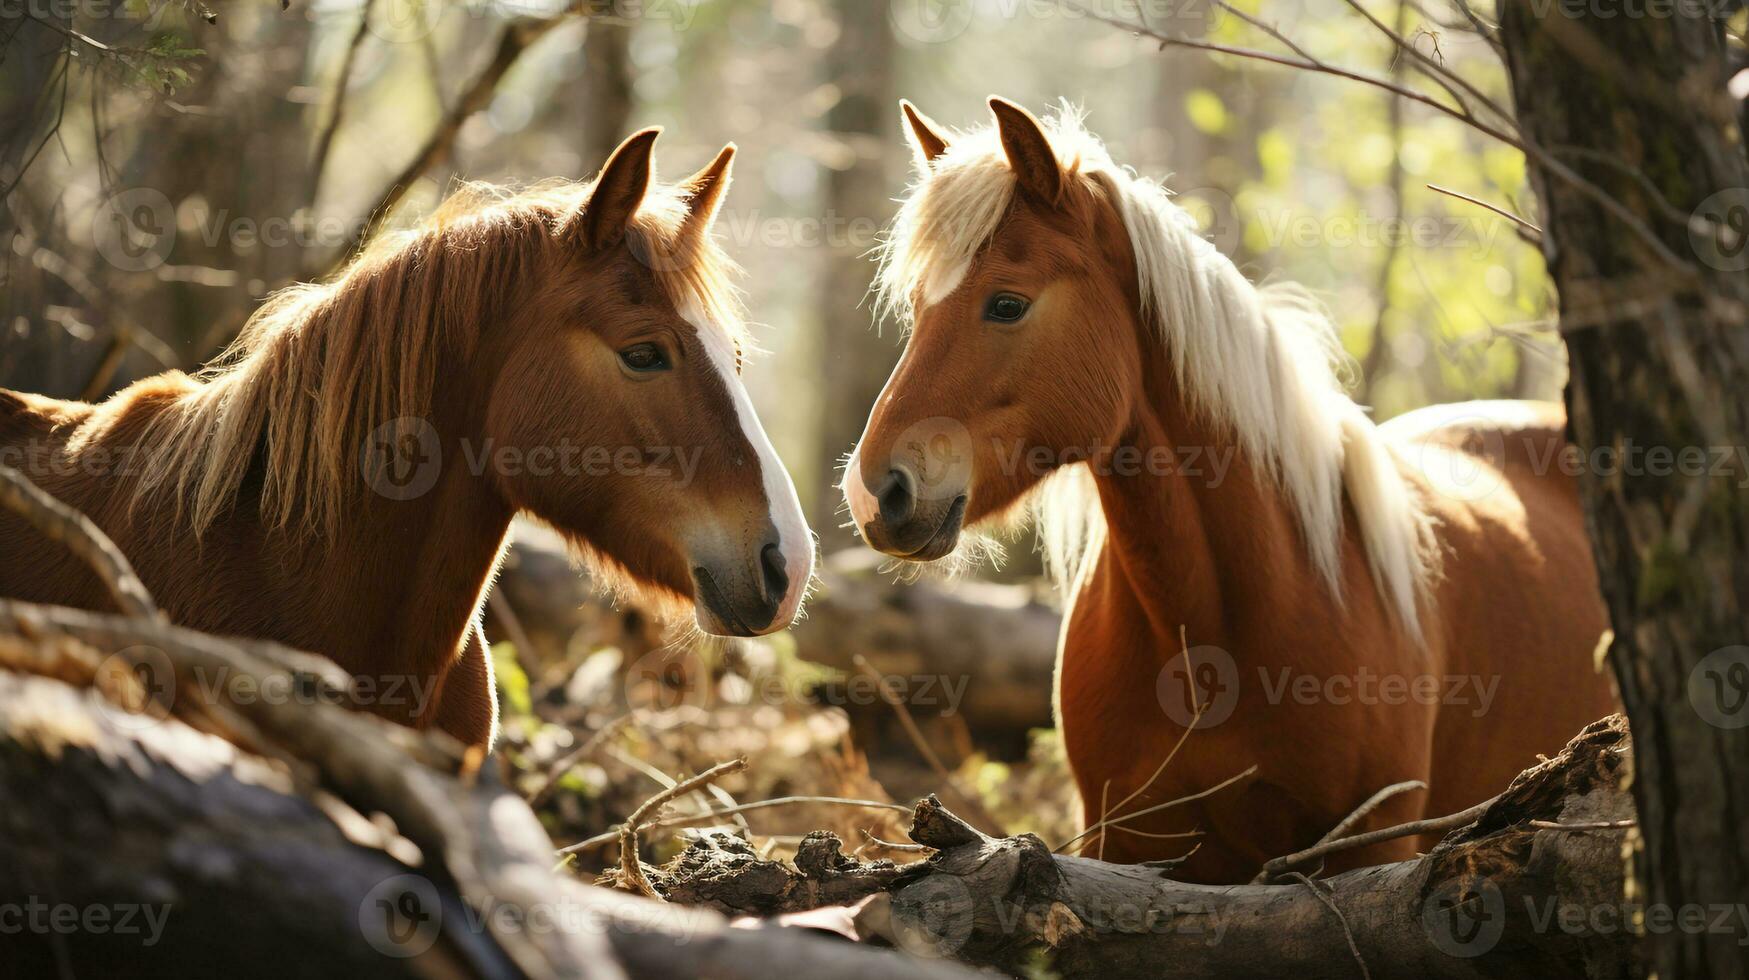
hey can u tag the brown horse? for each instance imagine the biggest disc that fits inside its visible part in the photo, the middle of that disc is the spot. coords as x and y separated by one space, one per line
1254 564
344 481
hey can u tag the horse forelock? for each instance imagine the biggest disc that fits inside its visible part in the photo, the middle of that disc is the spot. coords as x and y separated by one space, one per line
321 366
1263 363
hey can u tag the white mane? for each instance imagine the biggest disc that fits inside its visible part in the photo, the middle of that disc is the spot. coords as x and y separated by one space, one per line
1261 362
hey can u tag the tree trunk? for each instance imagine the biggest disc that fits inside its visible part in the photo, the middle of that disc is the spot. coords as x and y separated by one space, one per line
1654 324
855 358
607 90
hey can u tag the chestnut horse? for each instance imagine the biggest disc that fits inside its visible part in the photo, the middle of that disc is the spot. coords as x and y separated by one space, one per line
344 480
1258 571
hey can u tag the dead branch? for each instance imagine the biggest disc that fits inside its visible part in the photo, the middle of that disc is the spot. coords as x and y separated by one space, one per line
631 870
108 811
518 37
1482 903
58 522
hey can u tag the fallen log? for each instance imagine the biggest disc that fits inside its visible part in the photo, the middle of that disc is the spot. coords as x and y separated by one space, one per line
338 842
1532 888
980 650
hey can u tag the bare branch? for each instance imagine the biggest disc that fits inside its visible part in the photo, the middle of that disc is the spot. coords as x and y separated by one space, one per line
59 522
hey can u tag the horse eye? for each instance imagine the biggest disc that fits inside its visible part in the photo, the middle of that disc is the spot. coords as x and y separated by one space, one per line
1005 308
644 357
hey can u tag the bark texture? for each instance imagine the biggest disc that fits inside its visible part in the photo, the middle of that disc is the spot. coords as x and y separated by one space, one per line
1654 322
1494 899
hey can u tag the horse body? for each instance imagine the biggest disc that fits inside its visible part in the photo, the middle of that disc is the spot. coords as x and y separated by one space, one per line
1322 698
345 480
393 594
1277 607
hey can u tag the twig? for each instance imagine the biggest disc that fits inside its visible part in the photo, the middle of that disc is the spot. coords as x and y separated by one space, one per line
566 762
892 845
1275 867
325 141
974 806
1342 920
1585 825
59 522
1444 76
631 869
1502 212
1555 167
1113 821
1372 803
1374 361
610 836
517 38
1195 719
119 342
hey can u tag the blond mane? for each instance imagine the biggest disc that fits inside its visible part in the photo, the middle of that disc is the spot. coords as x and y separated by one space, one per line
320 366
1262 363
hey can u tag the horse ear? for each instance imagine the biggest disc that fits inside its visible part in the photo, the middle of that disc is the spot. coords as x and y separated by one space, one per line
1029 153
619 190
704 191
923 134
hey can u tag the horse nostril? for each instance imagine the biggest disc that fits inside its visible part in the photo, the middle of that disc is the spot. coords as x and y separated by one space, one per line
897 497
776 578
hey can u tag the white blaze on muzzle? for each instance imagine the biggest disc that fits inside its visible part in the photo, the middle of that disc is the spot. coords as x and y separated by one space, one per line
794 542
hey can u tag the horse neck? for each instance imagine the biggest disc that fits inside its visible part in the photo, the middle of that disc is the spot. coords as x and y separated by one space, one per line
1199 538
404 577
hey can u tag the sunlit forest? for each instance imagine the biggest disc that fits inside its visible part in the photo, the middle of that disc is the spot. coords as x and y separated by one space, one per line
168 165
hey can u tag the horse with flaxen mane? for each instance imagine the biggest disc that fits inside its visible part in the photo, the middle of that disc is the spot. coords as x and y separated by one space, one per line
1261 577
344 480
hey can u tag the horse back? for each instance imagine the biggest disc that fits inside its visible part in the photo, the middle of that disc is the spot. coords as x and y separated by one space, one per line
1511 435
1519 609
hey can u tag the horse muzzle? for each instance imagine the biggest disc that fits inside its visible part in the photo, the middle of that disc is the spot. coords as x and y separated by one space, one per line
897 518
747 597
